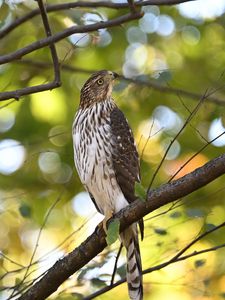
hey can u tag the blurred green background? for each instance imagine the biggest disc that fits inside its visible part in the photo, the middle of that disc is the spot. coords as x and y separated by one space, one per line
43 207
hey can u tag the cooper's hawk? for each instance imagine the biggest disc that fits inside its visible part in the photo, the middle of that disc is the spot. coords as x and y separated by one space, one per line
107 162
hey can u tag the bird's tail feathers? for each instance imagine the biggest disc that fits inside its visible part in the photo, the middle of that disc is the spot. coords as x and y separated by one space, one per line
129 238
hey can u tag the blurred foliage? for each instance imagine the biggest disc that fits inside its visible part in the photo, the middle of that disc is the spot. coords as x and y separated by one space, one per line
42 206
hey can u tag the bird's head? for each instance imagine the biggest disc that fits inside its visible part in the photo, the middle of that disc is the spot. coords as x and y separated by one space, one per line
97 88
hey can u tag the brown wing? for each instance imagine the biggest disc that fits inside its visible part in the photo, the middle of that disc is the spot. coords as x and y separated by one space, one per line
125 157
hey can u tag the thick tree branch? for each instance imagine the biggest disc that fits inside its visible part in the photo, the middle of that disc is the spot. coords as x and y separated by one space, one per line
95 243
84 4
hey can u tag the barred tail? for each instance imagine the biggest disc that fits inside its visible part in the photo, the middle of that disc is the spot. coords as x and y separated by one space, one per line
134 270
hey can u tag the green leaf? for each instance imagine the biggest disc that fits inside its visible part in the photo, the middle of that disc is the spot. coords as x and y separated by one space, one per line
195 212
160 231
25 210
17 281
175 215
84 271
140 191
77 296
113 231
209 226
122 270
207 282
222 295
199 263
98 282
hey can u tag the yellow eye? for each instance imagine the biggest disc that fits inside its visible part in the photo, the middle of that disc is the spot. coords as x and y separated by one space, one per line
100 81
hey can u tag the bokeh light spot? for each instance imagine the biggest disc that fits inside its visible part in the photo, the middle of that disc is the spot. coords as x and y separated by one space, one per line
82 204
7 119
59 135
191 35
174 150
49 106
166 25
202 9
215 129
167 118
135 35
149 23
49 162
12 156
80 39
105 38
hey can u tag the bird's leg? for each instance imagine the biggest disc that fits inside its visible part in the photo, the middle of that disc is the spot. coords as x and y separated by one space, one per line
109 214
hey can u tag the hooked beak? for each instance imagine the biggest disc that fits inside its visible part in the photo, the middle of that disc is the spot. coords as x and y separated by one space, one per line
115 75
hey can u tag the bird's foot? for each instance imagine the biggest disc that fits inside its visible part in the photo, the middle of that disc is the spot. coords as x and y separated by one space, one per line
108 216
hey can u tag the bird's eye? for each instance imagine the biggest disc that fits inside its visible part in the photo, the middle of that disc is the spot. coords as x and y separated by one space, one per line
100 81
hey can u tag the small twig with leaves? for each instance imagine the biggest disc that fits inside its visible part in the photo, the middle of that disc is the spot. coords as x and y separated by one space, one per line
95 243
83 4
176 258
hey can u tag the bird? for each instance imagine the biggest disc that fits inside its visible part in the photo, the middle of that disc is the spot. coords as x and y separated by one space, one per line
107 162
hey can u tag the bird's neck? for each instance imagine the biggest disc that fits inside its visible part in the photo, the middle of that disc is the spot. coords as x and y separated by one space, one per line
106 104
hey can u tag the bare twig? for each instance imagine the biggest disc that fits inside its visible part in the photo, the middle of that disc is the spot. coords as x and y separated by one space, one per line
50 40
16 94
150 270
65 33
52 45
132 6
7 104
37 241
83 4
174 259
192 114
95 243
171 90
194 155
115 265
10 260
150 83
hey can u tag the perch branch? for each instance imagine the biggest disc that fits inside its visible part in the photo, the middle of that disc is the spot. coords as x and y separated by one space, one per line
95 243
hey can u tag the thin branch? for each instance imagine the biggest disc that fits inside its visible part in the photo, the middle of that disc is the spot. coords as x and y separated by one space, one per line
95 243
152 269
115 265
196 154
52 45
16 94
37 241
192 114
7 104
170 90
67 32
174 259
10 260
49 41
150 83
132 6
83 4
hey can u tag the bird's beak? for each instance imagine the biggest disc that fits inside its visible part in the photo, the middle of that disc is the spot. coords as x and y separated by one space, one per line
115 75
112 75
